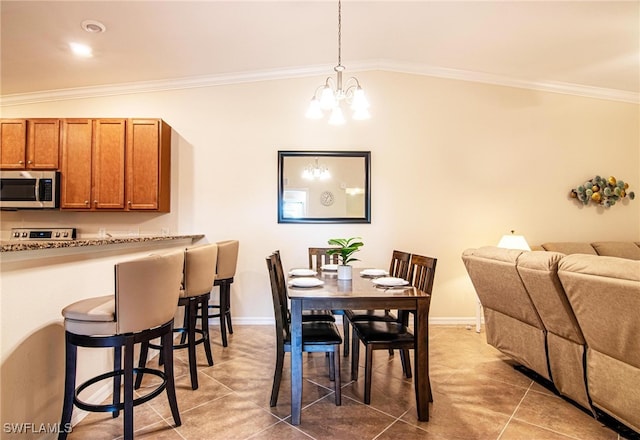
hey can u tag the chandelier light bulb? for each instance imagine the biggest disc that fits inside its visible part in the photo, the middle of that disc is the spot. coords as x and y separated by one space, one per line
359 100
327 98
337 117
314 111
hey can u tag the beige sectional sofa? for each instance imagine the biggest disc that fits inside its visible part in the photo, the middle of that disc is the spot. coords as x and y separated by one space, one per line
571 313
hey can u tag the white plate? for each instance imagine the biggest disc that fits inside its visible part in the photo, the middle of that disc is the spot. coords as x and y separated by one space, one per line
302 272
374 272
389 282
305 282
332 267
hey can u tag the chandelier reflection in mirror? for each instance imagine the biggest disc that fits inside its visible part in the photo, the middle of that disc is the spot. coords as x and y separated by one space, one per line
331 95
315 171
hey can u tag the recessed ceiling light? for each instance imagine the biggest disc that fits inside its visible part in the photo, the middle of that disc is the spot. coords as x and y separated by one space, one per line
93 26
82 50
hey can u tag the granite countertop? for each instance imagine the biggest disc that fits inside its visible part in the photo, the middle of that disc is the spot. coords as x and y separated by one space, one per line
27 245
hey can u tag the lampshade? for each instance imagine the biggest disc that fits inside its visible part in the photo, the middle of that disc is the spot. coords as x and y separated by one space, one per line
512 241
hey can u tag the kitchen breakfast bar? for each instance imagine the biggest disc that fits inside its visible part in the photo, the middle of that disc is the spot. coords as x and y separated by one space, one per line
38 279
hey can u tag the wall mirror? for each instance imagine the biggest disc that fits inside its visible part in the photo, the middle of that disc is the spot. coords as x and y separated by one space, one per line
324 187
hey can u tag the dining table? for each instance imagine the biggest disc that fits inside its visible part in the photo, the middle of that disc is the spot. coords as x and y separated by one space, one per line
360 293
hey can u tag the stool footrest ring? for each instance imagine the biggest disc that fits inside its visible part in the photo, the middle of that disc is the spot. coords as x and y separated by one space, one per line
120 405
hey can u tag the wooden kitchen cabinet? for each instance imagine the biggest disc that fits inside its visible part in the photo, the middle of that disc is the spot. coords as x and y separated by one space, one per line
93 161
148 165
13 141
43 144
32 144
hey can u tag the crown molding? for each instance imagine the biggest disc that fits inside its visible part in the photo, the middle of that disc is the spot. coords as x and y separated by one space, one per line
299 72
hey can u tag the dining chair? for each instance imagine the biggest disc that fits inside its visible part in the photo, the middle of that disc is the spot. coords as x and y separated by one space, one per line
318 257
307 315
317 336
142 309
197 281
389 335
398 268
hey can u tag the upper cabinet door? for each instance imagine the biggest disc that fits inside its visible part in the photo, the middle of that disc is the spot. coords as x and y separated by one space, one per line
148 165
13 141
43 144
75 192
108 163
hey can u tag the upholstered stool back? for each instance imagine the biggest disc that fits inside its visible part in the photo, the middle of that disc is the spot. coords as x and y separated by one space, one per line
147 291
199 269
227 259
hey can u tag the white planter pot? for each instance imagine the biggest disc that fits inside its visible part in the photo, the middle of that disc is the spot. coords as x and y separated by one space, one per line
344 272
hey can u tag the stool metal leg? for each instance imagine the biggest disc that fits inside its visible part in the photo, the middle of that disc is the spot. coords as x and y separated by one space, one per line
223 307
71 359
144 352
191 310
128 388
117 366
204 322
167 348
227 310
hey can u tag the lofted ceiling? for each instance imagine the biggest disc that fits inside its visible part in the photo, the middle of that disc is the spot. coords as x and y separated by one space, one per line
589 45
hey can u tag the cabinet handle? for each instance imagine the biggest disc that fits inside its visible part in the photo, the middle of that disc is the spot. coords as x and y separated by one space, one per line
129 202
95 202
86 202
20 162
29 162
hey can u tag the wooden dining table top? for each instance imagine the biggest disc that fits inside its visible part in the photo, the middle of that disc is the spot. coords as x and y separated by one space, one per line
358 286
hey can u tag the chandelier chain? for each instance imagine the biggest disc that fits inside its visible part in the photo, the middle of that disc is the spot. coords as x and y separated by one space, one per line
339 33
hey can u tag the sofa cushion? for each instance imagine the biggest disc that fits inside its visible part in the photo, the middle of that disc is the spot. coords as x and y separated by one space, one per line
604 293
495 277
622 249
569 247
539 273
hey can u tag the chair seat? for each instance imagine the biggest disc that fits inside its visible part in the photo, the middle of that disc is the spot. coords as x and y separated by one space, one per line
319 333
91 316
317 315
371 332
369 315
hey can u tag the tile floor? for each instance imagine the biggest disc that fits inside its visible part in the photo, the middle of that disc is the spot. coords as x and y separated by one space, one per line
477 395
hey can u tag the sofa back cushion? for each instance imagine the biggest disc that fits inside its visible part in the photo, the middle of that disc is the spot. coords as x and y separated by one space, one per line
604 293
569 247
495 277
622 249
539 273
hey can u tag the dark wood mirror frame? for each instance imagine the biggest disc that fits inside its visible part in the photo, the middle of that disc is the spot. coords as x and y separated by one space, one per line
349 191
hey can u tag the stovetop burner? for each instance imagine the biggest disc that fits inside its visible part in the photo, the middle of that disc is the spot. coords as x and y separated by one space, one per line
46 234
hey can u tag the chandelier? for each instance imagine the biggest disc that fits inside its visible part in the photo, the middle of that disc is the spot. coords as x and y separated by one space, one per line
315 171
331 95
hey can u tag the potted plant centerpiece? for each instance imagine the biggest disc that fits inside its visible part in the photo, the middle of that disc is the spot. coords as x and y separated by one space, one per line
345 248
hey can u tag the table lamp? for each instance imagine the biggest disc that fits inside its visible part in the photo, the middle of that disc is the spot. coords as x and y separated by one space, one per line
512 241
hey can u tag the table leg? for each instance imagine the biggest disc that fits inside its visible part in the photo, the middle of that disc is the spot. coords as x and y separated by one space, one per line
296 360
421 354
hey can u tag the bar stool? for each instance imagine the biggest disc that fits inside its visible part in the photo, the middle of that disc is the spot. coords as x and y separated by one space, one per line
197 282
146 294
225 271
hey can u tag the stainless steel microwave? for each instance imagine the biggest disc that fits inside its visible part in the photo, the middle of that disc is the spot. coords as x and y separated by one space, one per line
29 189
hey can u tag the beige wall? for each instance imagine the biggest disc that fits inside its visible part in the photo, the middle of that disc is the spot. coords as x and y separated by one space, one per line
454 164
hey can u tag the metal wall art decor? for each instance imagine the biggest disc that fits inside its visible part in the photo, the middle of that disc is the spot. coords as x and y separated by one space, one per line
601 191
